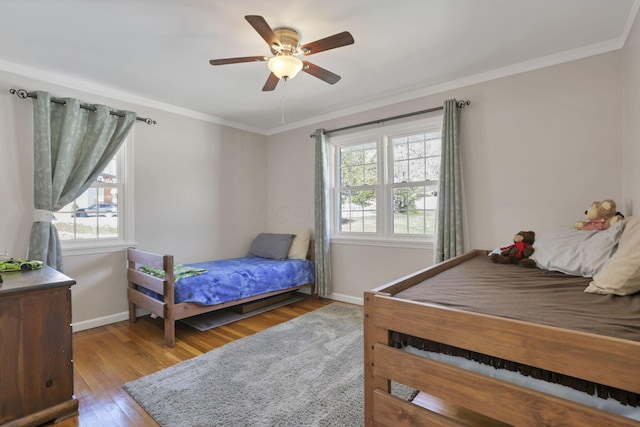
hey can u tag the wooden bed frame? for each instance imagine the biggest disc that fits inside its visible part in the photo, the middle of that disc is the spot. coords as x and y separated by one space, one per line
169 310
459 396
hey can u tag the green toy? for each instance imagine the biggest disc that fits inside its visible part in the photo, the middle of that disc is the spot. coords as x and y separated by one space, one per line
17 264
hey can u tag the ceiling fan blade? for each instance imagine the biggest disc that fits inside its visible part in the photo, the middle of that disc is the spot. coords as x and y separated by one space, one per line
320 73
337 40
260 25
271 83
237 60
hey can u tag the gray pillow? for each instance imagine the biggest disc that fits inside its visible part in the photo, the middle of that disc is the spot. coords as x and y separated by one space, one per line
269 245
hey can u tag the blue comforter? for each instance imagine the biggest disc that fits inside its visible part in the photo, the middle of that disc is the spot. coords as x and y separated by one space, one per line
235 278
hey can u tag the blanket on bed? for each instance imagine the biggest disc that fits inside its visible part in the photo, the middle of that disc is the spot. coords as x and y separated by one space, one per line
179 271
231 279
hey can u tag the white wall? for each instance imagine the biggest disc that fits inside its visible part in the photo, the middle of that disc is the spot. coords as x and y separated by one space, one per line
631 93
200 193
538 148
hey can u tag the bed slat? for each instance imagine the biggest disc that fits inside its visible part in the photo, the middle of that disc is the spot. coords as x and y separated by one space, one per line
393 411
152 283
516 405
146 302
145 258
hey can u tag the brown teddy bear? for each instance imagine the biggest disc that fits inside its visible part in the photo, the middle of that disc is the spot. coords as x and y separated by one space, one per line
601 216
519 252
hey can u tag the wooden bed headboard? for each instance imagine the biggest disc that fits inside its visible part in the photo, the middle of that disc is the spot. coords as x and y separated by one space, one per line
311 255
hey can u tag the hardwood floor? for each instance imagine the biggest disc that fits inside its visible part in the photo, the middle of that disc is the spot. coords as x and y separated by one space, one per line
108 356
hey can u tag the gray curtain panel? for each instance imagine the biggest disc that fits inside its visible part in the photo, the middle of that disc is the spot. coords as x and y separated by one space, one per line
72 146
449 240
322 232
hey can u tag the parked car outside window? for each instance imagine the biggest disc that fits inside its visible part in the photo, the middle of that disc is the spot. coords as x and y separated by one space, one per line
101 209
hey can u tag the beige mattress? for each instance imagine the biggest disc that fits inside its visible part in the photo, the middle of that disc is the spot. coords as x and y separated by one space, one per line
532 295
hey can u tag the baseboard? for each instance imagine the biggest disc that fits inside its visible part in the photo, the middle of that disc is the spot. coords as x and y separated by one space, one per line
119 317
346 298
99 321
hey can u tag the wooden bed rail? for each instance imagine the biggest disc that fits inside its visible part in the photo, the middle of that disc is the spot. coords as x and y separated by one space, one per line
582 353
517 405
596 358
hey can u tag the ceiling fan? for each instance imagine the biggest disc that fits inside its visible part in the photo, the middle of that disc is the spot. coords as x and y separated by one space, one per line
284 45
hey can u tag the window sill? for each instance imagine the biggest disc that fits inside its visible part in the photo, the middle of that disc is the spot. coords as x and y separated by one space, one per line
94 247
391 243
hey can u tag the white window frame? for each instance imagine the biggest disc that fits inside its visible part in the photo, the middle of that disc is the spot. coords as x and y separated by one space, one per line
124 164
384 189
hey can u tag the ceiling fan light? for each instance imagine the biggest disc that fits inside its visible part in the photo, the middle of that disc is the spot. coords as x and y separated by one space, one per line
285 66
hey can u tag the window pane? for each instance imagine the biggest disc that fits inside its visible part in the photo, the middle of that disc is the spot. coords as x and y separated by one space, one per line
400 149
434 146
350 156
358 165
400 171
433 168
358 211
417 149
346 178
414 210
370 153
110 173
371 174
417 170
93 215
411 156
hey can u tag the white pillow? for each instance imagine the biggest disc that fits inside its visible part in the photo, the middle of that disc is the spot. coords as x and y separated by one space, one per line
576 252
620 275
300 245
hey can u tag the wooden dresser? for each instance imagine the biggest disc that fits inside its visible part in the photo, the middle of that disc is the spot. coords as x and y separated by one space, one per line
36 359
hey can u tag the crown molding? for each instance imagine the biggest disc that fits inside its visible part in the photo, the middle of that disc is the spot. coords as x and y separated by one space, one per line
113 93
523 67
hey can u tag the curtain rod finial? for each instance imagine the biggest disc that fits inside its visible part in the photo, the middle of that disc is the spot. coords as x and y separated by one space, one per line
20 93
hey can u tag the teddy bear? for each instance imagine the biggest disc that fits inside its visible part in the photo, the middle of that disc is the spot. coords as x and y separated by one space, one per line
519 252
601 216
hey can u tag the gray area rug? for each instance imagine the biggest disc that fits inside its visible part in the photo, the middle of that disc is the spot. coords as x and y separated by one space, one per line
304 372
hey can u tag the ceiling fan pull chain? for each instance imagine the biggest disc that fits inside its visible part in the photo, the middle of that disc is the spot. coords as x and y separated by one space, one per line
284 89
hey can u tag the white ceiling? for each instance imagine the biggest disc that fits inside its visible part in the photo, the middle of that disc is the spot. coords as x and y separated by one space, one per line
156 52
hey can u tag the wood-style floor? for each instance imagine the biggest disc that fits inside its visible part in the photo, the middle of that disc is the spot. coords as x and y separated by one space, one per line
107 357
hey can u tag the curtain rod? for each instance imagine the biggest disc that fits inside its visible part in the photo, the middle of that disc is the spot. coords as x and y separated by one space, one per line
23 94
461 104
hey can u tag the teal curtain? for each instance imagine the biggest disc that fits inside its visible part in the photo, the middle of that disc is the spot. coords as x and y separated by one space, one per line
72 146
322 232
449 233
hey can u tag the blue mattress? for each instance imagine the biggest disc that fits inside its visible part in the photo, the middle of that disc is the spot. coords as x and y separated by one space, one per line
235 278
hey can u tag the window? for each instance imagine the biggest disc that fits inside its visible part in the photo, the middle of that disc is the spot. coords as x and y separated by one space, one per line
386 182
97 218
